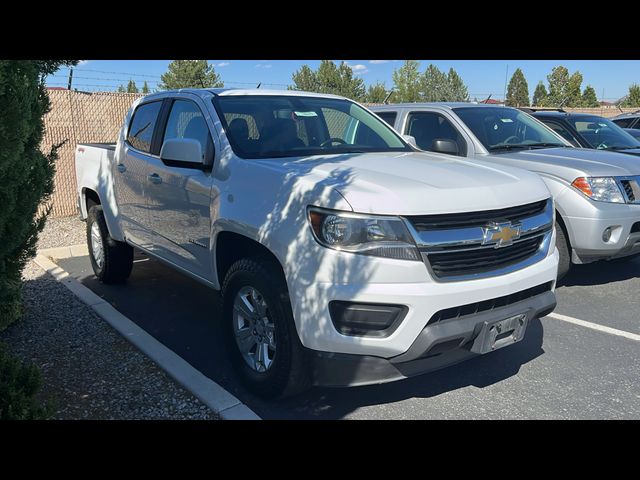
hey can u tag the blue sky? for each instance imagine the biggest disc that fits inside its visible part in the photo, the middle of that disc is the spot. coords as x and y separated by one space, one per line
483 77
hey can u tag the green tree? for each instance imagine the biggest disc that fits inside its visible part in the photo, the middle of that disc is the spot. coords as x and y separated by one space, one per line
540 95
26 172
305 80
457 91
633 97
407 82
190 74
376 93
518 90
19 384
330 78
434 85
145 87
131 87
121 89
574 90
589 98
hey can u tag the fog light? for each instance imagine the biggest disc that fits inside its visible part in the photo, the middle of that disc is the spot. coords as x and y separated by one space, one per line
606 235
366 319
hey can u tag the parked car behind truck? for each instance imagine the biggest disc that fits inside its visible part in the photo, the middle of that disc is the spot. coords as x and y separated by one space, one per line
344 256
597 192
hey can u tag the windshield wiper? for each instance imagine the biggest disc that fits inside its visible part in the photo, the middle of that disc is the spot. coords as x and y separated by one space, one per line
620 147
514 146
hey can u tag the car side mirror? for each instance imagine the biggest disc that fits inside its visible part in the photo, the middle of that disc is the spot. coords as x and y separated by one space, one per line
187 151
410 140
443 145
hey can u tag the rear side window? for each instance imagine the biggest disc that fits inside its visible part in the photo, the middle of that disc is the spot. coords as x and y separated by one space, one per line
142 126
624 122
389 117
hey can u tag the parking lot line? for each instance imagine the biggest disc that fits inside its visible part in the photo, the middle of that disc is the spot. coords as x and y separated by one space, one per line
595 326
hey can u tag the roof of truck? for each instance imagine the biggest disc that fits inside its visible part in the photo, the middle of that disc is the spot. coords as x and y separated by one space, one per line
224 92
437 104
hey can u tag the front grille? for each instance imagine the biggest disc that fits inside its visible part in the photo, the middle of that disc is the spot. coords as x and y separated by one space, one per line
628 189
475 219
487 305
481 260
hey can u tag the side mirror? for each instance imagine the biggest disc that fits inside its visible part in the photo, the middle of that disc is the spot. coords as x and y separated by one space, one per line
442 145
410 140
183 150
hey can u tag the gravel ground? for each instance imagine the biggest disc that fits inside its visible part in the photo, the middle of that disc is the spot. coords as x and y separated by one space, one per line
89 371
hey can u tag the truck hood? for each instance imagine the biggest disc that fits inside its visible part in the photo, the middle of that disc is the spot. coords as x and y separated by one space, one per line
570 163
416 183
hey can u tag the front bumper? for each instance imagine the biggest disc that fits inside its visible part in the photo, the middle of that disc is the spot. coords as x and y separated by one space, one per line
437 346
588 244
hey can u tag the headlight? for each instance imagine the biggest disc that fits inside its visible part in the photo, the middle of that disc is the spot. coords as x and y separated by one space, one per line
365 234
601 189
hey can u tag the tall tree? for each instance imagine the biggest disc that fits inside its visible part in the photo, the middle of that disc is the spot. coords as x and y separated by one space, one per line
518 90
376 93
121 89
457 91
190 74
589 98
434 85
26 172
407 82
145 87
574 90
329 78
540 95
558 81
131 87
633 97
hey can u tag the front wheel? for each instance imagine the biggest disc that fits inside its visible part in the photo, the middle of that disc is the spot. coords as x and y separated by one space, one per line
260 333
111 260
562 242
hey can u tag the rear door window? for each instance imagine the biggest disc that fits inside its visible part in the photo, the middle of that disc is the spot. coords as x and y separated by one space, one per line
389 117
143 125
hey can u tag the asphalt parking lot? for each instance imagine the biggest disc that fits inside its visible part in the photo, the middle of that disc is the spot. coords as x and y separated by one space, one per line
559 371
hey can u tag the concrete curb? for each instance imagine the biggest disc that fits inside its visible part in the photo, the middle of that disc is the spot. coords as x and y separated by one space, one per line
206 390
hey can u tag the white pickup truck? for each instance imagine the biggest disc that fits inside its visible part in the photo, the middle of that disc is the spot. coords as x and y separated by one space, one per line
344 256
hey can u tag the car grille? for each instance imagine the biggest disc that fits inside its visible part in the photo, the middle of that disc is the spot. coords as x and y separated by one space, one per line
454 247
480 260
628 189
475 219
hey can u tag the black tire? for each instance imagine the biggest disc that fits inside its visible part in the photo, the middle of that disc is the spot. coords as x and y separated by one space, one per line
564 249
118 256
289 374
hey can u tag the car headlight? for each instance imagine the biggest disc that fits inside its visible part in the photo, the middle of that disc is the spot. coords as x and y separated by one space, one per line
365 234
601 189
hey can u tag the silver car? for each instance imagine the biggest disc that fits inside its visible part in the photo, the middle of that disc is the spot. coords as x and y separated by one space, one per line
597 192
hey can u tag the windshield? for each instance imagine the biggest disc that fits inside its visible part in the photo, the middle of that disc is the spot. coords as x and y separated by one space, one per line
264 126
602 133
503 129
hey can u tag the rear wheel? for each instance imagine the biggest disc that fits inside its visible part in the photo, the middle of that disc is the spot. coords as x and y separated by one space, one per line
261 336
111 260
564 249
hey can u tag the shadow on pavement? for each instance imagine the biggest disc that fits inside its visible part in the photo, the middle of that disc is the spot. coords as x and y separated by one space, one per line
602 272
185 316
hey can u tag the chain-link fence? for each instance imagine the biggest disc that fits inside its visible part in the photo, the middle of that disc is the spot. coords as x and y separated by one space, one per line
78 117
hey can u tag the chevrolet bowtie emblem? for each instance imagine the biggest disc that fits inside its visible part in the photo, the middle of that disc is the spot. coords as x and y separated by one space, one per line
502 234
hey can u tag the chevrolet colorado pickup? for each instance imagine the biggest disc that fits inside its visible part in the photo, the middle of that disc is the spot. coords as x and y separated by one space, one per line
597 192
343 255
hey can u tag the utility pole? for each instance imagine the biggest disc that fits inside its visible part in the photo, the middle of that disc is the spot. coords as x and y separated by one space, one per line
506 76
70 78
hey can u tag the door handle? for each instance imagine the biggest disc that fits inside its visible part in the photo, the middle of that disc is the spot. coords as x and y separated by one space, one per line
155 178
122 168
